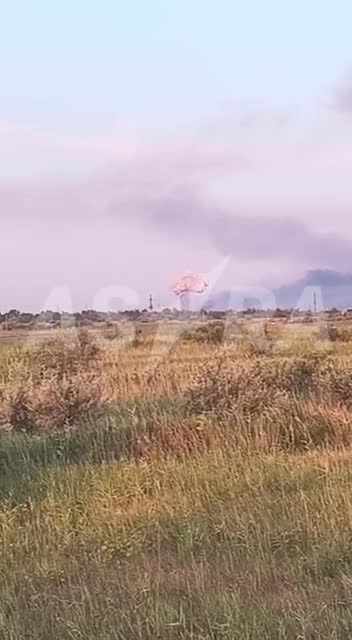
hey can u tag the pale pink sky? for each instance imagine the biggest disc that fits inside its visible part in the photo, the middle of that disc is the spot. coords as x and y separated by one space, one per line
232 142
94 212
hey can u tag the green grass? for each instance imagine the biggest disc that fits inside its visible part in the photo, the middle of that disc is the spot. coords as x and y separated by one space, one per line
218 546
236 523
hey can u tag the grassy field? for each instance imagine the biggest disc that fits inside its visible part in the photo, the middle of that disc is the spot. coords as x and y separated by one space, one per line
175 490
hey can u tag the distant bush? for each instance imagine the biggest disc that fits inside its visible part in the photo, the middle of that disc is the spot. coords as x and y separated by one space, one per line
335 380
208 333
111 331
338 334
63 355
55 403
290 402
251 342
251 385
138 339
52 384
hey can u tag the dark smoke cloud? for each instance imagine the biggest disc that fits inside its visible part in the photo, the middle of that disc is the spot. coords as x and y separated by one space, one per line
245 235
163 187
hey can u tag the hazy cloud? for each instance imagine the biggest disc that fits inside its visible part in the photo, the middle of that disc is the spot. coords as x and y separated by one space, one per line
158 201
245 234
343 95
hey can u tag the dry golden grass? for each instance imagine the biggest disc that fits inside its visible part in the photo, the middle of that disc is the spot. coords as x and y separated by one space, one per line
183 490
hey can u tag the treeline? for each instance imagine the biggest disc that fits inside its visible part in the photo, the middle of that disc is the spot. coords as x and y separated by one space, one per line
15 319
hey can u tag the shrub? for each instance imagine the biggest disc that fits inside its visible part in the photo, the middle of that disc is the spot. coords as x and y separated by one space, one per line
338 334
63 355
208 333
111 331
53 384
250 385
54 403
221 332
335 380
287 403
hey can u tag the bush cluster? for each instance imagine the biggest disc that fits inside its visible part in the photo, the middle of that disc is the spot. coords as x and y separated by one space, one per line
53 384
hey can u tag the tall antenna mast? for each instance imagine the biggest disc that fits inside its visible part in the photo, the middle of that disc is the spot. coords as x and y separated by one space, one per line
151 307
315 301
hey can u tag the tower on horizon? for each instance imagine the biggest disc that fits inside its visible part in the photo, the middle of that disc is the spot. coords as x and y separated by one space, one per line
151 307
315 302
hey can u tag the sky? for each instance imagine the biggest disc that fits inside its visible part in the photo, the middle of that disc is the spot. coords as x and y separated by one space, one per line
141 140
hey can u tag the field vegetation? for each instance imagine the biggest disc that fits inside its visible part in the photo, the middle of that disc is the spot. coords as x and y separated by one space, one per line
183 481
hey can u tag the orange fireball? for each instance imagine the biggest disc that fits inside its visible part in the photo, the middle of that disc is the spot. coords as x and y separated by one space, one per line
190 283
